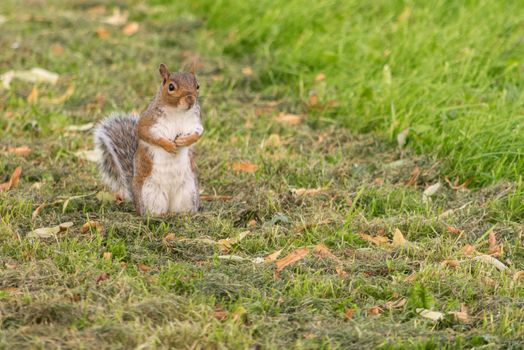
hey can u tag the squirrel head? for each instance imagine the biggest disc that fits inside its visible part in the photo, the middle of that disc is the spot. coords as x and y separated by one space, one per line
180 89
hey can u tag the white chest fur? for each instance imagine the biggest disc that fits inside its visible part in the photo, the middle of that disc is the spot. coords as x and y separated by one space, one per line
172 185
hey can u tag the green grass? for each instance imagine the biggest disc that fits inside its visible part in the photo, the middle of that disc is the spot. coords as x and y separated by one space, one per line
52 294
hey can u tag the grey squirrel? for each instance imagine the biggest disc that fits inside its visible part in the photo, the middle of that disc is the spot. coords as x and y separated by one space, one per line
147 158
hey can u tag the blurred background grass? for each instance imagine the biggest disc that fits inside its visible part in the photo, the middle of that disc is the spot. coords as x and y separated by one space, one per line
449 71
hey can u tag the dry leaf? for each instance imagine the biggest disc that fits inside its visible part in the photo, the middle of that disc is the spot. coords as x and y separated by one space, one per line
411 277
402 137
62 98
22 151
414 177
494 248
341 272
33 96
348 314
170 237
430 191
374 311
118 17
89 155
220 314
290 119
227 243
131 28
307 191
396 304
47 232
492 261
450 263
291 258
104 276
378 240
313 100
247 71
320 77
516 276
91 224
468 249
245 166
57 49
431 315
144 268
107 255
97 10
274 140
251 223
83 127
273 256
454 230
13 181
102 33
399 240
324 252
379 181
462 315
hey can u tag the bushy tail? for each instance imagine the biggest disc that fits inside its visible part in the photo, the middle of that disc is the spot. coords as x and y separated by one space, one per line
116 140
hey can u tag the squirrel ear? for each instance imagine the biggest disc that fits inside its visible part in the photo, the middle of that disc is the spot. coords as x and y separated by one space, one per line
193 67
163 72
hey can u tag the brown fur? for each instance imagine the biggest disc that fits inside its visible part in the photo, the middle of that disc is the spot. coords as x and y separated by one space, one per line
143 169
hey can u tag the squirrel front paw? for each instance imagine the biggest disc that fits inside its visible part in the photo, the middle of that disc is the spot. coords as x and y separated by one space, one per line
187 140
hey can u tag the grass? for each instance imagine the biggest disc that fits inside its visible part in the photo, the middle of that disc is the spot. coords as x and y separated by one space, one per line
151 293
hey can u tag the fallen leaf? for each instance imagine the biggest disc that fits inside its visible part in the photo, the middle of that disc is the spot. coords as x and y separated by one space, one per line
516 276
412 277
374 311
131 28
170 237
402 137
468 249
245 166
378 240
118 17
396 304
9 290
273 140
104 276
313 100
144 268
320 77
399 240
379 181
307 191
13 181
491 260
348 314
83 127
107 255
430 314
324 252
414 177
47 232
454 230
57 49
97 10
290 119
91 224
33 96
102 33
22 151
273 256
462 315
251 223
291 258
62 98
340 271
450 263
247 71
227 243
89 155
494 248
430 191
220 314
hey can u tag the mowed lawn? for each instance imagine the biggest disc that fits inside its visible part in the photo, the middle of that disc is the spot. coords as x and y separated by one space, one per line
360 176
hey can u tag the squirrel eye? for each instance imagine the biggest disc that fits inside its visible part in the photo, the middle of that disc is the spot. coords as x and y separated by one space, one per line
198 86
171 87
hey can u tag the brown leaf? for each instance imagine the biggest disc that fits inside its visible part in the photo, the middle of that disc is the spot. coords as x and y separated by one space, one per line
516 276
307 191
13 181
341 272
454 230
11 266
378 240
494 248
399 241
247 71
22 151
107 255
313 100
273 256
245 166
102 33
320 77
374 311
324 252
379 181
91 224
144 268
33 96
170 237
462 315
290 119
131 28
450 263
57 49
468 249
226 244
104 276
348 314
291 258
97 10
396 304
251 223
220 314
414 177
274 140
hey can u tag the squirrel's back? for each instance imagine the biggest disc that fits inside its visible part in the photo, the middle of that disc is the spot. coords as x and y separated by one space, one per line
116 139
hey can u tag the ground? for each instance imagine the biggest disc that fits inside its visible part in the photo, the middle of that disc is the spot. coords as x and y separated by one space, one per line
284 167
